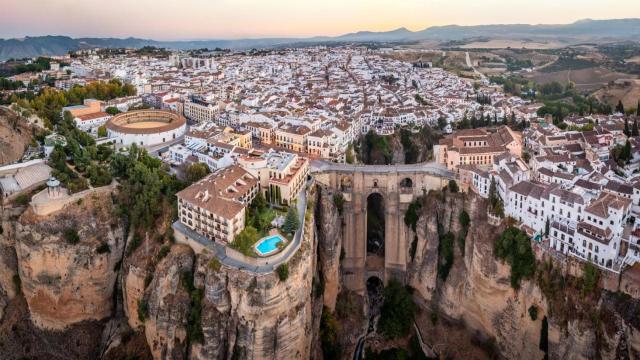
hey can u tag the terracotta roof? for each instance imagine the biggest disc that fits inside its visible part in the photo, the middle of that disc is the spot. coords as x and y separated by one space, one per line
92 116
222 193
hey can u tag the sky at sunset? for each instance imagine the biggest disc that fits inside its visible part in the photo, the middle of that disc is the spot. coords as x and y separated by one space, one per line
229 19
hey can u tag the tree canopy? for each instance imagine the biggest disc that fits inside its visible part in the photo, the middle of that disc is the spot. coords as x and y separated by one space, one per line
514 247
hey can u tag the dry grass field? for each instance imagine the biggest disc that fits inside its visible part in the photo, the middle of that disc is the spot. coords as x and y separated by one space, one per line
589 79
513 44
626 90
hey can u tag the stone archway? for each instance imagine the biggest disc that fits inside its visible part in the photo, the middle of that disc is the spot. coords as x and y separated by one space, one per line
406 185
375 231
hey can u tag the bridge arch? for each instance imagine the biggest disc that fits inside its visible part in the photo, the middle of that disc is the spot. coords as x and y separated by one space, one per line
406 185
397 186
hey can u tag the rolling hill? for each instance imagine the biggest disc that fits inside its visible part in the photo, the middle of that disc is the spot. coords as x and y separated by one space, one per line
583 30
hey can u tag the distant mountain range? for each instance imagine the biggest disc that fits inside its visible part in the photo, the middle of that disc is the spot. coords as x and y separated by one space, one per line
583 30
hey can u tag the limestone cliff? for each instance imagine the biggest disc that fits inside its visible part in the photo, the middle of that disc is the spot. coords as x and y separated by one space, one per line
248 315
167 305
329 229
66 262
477 293
8 262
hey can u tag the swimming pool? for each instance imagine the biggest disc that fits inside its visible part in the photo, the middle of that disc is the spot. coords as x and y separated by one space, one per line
268 245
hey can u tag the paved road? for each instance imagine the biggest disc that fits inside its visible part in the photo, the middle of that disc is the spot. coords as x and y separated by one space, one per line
263 269
433 168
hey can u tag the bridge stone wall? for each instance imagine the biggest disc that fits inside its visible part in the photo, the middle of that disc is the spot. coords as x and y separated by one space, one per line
357 184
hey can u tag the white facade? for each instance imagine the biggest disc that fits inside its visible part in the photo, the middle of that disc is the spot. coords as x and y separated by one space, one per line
149 139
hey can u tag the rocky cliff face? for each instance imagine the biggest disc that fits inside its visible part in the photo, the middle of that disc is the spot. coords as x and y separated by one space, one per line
168 303
8 262
246 315
66 262
478 294
329 230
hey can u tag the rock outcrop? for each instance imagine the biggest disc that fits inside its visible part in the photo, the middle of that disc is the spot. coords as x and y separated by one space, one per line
66 262
477 292
248 315
329 230
167 305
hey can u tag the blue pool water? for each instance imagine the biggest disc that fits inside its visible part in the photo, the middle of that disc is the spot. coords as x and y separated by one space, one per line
269 244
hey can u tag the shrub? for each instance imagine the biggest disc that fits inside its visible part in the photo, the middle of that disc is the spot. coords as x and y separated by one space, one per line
514 247
103 248
283 271
134 244
329 328
196 171
22 199
214 264
397 311
71 236
413 214
244 241
533 312
164 251
590 278
291 221
194 323
143 310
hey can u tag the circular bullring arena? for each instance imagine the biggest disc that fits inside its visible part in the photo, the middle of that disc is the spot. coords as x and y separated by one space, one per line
146 127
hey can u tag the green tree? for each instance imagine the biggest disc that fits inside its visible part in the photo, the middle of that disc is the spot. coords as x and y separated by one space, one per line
514 247
620 107
398 311
71 236
112 110
634 129
196 171
291 221
590 278
283 271
99 175
626 127
329 328
349 156
244 240
102 131
442 123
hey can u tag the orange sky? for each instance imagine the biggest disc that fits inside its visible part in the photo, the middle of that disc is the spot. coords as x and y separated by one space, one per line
215 19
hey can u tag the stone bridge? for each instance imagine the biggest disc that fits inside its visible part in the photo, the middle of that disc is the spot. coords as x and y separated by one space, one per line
398 186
